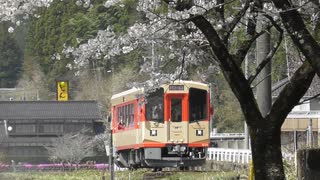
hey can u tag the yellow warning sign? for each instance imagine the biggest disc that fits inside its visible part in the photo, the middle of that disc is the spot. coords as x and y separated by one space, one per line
62 91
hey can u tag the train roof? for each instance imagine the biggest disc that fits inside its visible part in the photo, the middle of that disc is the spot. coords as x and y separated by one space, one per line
191 84
133 93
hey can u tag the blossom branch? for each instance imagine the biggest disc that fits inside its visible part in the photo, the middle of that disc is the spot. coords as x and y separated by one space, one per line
231 26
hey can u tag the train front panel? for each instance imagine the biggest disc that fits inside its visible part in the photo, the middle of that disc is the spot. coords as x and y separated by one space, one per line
180 137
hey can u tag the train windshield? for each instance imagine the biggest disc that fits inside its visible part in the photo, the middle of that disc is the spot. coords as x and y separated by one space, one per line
197 104
176 110
154 106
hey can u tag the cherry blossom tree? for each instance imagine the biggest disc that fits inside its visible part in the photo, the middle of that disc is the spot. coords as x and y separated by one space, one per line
71 148
196 32
14 10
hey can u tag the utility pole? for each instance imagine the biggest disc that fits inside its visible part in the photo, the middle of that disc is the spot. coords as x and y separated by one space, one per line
109 120
309 133
109 151
246 130
295 141
111 166
111 163
5 127
264 79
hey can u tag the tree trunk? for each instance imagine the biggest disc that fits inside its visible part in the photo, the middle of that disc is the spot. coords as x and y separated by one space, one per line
266 153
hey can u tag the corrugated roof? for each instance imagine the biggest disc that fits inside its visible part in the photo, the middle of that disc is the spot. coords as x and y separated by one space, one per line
49 110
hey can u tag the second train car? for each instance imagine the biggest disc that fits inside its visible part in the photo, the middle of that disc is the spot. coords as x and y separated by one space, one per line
167 128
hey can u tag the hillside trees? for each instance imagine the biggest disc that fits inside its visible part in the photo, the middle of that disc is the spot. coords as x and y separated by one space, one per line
227 111
33 81
48 33
10 58
68 23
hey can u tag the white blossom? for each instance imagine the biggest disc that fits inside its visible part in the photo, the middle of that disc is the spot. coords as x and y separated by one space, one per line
56 56
126 49
79 2
10 29
110 3
10 9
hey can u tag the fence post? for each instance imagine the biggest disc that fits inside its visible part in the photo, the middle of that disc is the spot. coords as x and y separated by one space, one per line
251 173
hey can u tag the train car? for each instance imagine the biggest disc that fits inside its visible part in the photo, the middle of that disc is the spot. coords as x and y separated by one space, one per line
168 127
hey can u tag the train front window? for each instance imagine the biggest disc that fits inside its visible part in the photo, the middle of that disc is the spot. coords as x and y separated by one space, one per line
154 106
176 110
197 104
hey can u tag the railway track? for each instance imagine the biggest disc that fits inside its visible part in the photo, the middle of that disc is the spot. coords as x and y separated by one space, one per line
165 173
168 173
157 175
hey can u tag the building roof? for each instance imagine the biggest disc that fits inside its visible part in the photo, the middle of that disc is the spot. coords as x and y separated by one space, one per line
63 110
303 115
313 90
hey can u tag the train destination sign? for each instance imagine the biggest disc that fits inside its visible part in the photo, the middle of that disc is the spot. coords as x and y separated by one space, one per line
176 87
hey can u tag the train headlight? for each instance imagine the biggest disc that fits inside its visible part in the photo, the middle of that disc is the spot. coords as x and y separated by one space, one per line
183 148
199 132
153 132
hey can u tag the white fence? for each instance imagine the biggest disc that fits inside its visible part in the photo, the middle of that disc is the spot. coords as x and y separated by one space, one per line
242 156
214 135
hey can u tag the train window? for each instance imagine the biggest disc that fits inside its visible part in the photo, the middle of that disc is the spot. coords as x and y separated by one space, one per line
154 106
131 115
176 110
126 115
197 104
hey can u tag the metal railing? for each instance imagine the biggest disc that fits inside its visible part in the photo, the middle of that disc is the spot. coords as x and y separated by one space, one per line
242 156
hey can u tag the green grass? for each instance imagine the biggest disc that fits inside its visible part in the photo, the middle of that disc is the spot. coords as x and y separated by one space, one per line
119 175
203 176
49 175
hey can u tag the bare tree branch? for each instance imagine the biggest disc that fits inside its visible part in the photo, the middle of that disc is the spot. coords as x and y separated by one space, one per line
182 63
261 81
308 99
244 48
252 20
299 33
71 147
292 93
232 73
231 26
220 11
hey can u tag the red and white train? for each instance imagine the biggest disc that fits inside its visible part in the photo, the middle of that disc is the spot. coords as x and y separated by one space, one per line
167 128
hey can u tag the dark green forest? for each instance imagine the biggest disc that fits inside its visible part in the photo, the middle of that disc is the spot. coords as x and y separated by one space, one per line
11 58
31 58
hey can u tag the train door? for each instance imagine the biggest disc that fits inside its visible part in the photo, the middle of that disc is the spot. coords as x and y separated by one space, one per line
176 112
198 117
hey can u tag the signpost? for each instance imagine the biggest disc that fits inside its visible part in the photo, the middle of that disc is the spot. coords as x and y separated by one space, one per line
62 90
